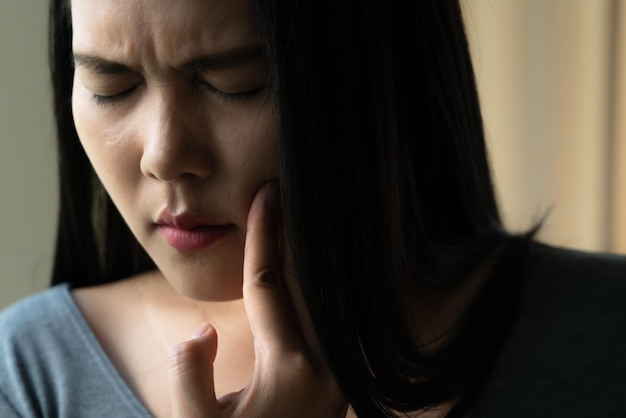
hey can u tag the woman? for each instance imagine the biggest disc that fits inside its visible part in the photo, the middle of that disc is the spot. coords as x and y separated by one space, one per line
331 154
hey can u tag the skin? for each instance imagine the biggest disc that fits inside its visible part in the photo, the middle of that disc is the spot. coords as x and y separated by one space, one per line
164 139
166 135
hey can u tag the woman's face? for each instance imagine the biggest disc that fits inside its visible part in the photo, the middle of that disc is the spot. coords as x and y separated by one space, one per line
170 104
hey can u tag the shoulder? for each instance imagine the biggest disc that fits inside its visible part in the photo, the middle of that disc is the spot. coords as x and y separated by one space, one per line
52 365
38 317
29 307
564 355
30 335
577 282
575 302
577 266
575 299
36 322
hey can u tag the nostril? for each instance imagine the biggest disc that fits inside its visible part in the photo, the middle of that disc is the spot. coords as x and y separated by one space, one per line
175 142
173 163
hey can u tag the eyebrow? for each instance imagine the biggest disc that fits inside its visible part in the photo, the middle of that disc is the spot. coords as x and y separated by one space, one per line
100 65
224 60
209 62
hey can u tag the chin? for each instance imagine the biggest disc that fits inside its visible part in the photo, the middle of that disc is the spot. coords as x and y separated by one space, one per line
210 274
208 290
206 286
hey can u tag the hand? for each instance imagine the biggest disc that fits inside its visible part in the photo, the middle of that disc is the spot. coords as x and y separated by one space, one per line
291 377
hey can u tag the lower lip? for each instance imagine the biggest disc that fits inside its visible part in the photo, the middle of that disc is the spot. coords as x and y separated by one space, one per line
194 239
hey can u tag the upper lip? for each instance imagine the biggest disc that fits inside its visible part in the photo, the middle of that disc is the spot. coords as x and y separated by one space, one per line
185 221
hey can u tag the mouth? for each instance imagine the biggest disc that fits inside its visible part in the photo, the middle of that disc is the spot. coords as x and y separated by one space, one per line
190 233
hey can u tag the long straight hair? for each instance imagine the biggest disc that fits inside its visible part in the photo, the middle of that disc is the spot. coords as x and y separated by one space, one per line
94 245
385 183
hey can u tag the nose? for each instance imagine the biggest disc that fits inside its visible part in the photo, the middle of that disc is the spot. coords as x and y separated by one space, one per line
176 140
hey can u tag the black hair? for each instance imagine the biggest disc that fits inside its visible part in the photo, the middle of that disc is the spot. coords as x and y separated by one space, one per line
94 245
385 183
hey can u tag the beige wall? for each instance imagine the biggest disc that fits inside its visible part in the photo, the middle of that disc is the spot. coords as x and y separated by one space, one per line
544 68
618 149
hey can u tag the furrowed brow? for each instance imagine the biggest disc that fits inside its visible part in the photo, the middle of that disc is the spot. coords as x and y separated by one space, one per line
225 60
99 65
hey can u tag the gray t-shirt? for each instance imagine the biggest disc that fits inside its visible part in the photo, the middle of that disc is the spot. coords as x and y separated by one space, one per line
51 364
565 356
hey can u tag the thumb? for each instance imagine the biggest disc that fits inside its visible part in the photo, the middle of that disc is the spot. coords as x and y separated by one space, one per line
191 382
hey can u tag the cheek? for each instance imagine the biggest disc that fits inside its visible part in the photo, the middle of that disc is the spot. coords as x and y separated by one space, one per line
241 140
109 146
252 144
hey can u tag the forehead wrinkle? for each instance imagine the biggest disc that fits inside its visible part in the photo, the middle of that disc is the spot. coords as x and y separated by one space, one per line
225 28
111 32
156 33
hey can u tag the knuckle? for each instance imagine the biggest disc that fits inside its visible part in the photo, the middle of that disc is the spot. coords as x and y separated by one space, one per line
268 277
291 274
311 384
184 359
299 367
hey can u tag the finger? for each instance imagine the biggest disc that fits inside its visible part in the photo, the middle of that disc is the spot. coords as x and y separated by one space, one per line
308 333
299 305
265 294
191 383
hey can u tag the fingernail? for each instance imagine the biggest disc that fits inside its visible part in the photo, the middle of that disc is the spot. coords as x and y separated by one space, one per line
202 329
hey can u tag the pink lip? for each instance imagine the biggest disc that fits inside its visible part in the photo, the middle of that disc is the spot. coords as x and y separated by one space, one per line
189 233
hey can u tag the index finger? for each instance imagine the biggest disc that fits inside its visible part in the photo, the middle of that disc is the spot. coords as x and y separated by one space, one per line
266 297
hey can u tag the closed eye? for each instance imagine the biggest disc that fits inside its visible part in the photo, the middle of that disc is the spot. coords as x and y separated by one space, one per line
108 100
238 96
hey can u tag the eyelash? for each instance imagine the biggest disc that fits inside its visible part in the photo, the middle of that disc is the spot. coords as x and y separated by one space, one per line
111 100
233 97
228 97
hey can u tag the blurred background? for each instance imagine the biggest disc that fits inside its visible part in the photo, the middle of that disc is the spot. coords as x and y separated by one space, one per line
552 80
28 201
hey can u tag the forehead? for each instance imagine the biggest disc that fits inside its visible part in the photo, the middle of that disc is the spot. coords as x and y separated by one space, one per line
159 31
